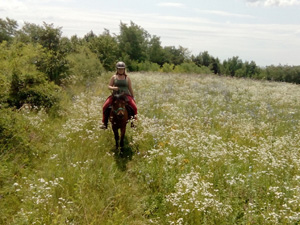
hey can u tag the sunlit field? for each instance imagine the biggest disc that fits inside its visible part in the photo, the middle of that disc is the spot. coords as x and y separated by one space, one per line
206 150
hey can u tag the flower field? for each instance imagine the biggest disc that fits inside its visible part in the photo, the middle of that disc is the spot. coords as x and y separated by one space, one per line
206 150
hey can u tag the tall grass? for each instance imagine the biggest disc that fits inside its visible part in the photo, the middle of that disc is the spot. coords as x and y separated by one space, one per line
206 150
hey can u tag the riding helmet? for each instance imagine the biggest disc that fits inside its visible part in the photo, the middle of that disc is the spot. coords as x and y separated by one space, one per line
120 65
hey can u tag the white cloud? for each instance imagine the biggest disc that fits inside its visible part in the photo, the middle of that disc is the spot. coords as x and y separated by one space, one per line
273 2
171 4
13 5
224 13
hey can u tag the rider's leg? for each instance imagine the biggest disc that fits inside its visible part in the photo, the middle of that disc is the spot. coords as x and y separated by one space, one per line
106 112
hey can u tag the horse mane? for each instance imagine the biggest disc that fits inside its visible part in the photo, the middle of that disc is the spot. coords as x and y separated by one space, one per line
120 97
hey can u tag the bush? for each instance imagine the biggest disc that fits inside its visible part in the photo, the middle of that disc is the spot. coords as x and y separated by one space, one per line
33 89
84 64
167 68
4 89
148 66
13 133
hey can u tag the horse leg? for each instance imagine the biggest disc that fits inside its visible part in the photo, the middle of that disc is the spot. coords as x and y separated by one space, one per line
116 133
123 130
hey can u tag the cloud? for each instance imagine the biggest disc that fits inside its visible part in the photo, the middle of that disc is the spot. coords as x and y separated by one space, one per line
273 2
224 13
14 5
171 4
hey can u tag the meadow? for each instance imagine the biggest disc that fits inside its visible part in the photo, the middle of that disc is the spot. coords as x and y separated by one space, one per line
206 150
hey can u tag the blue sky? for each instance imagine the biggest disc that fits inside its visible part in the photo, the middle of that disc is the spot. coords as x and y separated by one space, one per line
265 31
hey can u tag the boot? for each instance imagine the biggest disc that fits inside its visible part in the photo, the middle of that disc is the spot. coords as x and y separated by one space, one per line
104 125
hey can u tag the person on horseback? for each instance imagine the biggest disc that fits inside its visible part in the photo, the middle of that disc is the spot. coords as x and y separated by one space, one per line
119 83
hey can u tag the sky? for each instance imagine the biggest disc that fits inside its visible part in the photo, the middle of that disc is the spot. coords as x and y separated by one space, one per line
264 31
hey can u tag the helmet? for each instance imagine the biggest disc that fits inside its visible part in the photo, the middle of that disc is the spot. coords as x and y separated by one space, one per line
120 65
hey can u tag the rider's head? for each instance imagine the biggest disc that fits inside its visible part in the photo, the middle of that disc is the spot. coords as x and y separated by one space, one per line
120 67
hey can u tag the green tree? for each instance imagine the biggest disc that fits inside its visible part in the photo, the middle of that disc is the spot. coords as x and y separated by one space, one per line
133 42
176 56
84 64
231 65
107 49
22 82
53 62
155 51
33 89
8 29
215 65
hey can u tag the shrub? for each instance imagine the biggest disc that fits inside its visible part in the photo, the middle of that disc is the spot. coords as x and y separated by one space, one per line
84 64
13 133
148 66
167 68
33 89
4 88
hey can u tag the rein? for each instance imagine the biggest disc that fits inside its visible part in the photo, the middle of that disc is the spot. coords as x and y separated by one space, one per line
119 109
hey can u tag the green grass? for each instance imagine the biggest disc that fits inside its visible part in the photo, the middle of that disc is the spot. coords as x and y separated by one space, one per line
206 150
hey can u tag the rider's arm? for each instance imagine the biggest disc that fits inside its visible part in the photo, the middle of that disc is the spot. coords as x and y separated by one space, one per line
111 84
130 87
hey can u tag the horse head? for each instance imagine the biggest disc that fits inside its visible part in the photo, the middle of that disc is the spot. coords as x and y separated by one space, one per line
119 105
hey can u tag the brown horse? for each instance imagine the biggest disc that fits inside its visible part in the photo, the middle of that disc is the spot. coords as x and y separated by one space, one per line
119 116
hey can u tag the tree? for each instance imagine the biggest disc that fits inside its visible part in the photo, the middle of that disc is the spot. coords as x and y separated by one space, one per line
84 64
107 49
8 29
175 56
133 42
155 51
231 65
53 63
215 65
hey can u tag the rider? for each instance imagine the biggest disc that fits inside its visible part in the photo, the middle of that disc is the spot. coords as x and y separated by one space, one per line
119 83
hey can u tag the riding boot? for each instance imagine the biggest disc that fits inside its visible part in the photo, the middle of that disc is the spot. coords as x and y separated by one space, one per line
104 125
106 115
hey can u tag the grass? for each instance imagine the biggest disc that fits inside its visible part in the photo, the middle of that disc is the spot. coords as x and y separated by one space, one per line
206 150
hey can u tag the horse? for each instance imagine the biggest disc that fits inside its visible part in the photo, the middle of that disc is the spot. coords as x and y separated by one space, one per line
119 116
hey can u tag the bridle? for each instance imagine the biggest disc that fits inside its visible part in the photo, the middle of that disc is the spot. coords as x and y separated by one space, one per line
119 109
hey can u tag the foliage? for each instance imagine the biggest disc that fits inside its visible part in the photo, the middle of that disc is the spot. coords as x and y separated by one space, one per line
8 29
145 66
24 84
191 68
283 73
176 56
133 41
53 62
155 51
4 90
107 49
167 68
14 135
34 90
84 64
